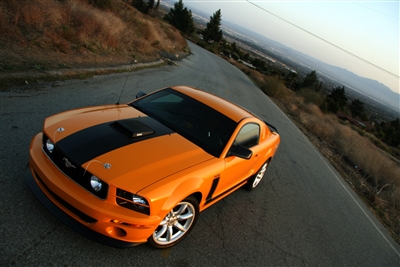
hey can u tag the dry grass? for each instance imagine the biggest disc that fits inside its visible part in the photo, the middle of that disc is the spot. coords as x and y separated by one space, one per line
74 32
371 172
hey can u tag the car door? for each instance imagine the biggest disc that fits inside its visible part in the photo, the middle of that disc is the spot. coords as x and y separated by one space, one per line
237 169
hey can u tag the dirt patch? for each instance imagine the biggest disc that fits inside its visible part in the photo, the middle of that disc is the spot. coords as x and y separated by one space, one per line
26 65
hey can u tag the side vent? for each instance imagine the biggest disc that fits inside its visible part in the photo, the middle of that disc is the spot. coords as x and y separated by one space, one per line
132 128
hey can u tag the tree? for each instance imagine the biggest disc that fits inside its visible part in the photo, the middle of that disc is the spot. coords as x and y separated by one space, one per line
393 133
357 108
336 100
290 78
389 132
235 56
258 63
213 33
338 95
149 6
227 52
144 7
235 49
181 18
330 105
310 80
140 5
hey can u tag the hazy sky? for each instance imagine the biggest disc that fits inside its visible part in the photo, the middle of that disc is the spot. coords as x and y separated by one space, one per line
367 29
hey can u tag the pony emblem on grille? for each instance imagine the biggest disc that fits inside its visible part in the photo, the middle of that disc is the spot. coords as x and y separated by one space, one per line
68 164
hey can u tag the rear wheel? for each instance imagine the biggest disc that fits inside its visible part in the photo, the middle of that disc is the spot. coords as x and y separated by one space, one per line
256 179
176 225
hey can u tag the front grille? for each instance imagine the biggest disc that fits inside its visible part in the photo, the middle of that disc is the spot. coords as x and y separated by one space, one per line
77 212
73 170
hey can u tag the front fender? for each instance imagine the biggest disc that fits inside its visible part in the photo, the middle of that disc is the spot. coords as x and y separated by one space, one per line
164 198
166 193
183 190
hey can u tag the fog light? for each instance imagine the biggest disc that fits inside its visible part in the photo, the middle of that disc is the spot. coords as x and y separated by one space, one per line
95 183
115 231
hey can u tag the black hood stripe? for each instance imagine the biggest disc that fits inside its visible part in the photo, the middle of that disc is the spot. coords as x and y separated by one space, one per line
89 143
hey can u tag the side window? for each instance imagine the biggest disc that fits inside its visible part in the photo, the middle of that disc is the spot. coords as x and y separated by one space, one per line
248 136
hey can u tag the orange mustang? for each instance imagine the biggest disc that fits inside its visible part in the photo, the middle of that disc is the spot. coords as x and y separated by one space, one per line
141 172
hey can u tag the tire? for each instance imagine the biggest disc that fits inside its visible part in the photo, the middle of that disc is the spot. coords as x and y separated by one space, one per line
255 180
176 225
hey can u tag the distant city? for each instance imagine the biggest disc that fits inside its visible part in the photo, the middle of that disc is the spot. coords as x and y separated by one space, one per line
375 95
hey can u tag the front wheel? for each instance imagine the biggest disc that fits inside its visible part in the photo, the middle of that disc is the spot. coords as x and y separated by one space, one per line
256 179
176 225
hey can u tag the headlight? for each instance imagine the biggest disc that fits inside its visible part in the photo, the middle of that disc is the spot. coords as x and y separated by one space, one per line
49 146
139 201
132 201
96 183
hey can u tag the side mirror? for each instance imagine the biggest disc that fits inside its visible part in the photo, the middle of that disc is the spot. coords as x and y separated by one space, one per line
241 152
140 94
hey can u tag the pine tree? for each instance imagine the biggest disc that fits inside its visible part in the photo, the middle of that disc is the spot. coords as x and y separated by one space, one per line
181 18
357 109
144 7
213 33
139 5
338 96
310 80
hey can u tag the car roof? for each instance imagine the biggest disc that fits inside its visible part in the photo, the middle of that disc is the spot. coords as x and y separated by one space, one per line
229 109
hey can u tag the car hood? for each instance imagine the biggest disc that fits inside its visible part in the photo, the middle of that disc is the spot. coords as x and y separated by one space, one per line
136 166
122 146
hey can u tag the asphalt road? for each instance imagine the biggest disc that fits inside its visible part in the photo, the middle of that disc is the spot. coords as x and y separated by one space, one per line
302 214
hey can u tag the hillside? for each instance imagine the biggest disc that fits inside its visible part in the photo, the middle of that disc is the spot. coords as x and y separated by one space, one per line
40 35
371 88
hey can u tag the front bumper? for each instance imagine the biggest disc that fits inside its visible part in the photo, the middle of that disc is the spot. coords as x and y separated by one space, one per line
69 221
102 221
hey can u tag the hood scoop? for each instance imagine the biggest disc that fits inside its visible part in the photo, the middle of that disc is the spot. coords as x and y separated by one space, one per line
132 128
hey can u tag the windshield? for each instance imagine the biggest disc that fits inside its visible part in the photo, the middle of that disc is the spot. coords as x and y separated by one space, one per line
197 122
